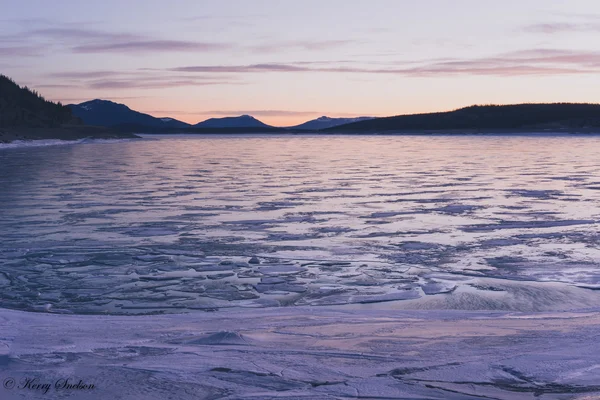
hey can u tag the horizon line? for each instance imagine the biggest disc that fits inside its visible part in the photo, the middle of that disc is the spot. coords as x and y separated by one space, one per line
237 114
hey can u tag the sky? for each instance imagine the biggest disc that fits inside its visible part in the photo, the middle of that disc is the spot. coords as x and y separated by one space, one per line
285 62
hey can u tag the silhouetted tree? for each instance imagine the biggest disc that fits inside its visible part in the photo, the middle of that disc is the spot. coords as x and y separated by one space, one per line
23 107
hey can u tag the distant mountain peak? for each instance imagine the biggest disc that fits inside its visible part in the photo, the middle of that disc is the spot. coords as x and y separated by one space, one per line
109 113
242 121
325 122
99 101
91 104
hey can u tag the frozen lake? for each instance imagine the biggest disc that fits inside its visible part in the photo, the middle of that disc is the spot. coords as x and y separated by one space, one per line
403 222
388 267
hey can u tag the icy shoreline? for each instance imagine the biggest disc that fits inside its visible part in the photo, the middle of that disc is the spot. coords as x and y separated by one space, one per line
303 352
17 144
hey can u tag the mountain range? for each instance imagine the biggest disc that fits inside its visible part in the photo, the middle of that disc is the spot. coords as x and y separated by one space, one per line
25 114
119 116
479 118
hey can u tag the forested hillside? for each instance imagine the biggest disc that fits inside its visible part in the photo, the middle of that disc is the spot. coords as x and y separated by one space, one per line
525 117
23 107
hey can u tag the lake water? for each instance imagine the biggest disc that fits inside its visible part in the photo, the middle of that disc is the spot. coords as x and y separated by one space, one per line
170 224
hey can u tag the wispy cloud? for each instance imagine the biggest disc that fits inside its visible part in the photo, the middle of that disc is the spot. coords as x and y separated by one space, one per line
154 84
56 86
84 74
531 62
150 46
86 39
527 62
307 45
78 39
270 67
20 51
138 79
562 27
79 34
223 17
556 56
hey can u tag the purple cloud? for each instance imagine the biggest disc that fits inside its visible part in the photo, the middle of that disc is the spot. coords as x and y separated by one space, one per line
553 56
84 74
20 51
56 86
143 46
84 40
154 84
301 45
562 27
78 34
271 67
139 79
528 62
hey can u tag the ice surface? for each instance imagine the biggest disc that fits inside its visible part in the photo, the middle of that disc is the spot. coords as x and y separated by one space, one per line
178 224
316 353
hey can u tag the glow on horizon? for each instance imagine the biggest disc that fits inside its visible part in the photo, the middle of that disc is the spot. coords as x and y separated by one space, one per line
287 62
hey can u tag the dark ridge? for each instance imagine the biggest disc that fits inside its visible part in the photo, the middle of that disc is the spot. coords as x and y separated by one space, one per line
110 114
243 121
21 107
325 122
27 115
525 117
